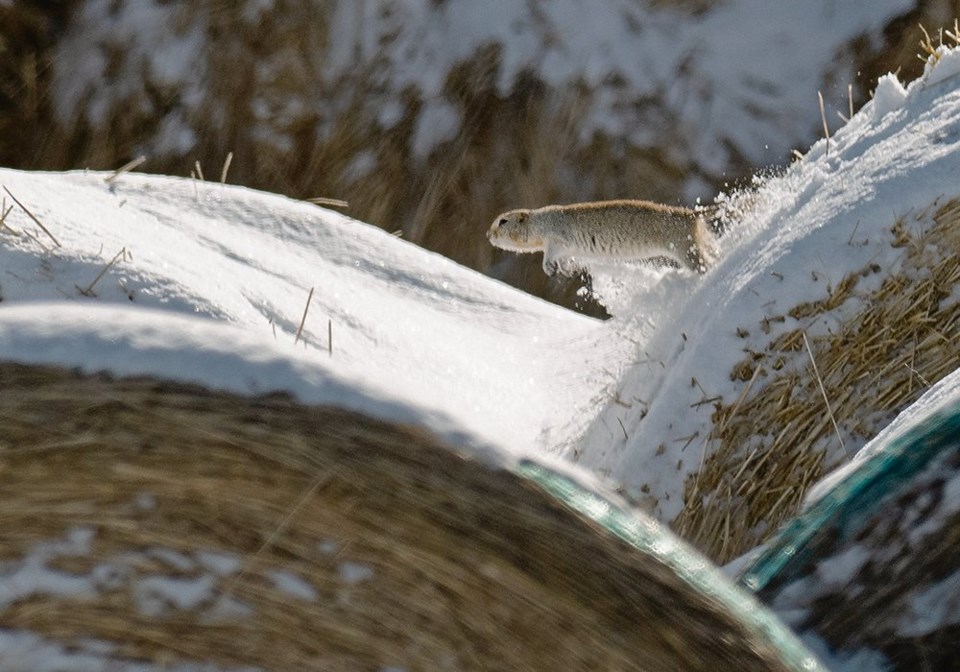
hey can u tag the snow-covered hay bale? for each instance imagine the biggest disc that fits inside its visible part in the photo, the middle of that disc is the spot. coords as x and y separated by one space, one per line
159 523
888 340
871 569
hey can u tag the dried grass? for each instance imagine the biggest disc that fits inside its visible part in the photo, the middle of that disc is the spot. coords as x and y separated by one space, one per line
771 446
472 568
929 52
899 52
32 216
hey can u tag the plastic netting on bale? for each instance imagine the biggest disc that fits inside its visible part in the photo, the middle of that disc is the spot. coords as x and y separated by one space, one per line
655 541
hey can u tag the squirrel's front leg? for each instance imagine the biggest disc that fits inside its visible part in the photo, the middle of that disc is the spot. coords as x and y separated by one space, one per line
559 261
551 263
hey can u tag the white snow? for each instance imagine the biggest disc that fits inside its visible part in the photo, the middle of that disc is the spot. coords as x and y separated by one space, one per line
353 573
171 558
863 660
155 595
30 579
292 584
30 576
220 563
841 569
328 547
175 584
709 75
946 509
86 79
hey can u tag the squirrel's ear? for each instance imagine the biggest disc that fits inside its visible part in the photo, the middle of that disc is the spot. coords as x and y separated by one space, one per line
522 217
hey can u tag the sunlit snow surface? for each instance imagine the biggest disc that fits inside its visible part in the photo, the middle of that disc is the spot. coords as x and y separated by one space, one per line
213 288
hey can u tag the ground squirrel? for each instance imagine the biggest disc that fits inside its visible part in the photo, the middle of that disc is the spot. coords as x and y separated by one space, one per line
606 230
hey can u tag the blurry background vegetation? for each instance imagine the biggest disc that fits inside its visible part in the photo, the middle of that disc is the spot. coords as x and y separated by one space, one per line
519 146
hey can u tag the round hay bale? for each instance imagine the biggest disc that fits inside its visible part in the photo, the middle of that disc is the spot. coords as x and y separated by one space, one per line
871 569
147 522
892 340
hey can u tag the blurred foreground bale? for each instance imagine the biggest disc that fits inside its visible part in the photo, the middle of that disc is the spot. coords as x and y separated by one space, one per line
147 521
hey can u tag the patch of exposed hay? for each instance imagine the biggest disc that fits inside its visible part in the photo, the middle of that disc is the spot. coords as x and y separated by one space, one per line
419 559
777 440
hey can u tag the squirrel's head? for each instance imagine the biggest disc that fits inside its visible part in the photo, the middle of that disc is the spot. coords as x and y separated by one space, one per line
512 231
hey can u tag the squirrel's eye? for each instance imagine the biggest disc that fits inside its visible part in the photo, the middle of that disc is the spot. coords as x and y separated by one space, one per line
503 220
